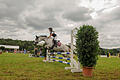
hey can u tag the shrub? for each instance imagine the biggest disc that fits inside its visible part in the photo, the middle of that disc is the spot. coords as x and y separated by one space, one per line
87 45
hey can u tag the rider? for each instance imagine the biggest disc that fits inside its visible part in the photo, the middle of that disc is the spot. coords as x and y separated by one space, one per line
53 35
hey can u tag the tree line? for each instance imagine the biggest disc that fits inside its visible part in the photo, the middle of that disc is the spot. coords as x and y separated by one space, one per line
103 51
28 45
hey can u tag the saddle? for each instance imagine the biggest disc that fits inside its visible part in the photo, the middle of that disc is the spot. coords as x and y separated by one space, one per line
58 43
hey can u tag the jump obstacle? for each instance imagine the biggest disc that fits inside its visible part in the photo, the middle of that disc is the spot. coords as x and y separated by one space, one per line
109 55
58 53
74 65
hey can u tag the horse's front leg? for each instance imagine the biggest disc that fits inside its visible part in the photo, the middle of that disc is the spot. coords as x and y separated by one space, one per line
46 46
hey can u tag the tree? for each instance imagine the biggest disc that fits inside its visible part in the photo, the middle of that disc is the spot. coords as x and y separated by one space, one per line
87 45
2 48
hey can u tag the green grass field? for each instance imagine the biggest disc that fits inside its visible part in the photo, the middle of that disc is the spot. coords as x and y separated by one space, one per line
22 67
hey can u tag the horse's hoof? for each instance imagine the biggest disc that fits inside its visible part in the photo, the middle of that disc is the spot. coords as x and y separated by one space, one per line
44 60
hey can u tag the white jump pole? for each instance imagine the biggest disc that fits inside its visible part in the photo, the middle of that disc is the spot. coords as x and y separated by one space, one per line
74 66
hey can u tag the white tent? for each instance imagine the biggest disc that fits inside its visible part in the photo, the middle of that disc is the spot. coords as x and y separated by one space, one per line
10 46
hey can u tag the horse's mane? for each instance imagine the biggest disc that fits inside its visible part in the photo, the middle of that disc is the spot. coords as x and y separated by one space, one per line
42 36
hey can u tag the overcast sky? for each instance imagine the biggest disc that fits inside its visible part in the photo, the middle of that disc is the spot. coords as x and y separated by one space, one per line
23 19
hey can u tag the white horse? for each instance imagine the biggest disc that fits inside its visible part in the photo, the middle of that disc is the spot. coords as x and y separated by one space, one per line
49 43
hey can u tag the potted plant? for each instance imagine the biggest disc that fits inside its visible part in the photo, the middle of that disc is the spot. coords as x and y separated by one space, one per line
87 47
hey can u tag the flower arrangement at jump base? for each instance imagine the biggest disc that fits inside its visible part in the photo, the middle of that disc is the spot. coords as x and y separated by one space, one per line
87 47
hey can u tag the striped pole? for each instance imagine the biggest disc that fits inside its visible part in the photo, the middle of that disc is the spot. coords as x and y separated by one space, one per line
60 61
59 53
59 57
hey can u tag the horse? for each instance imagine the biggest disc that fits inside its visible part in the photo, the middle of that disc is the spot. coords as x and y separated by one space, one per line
49 43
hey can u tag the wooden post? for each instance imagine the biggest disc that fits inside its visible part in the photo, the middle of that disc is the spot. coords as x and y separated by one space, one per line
118 55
